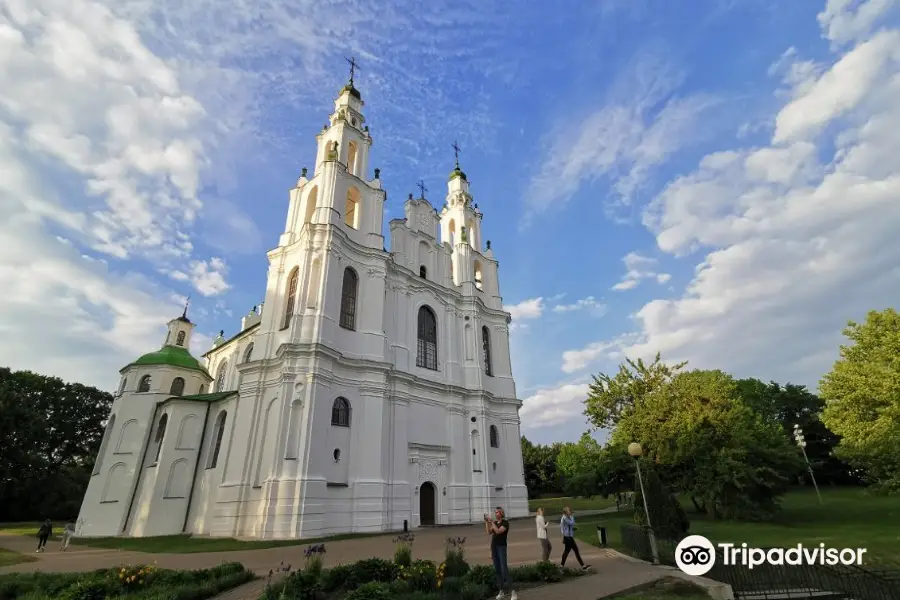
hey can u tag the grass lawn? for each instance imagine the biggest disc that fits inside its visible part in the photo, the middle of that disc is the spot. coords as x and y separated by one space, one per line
849 519
8 557
29 529
554 506
666 589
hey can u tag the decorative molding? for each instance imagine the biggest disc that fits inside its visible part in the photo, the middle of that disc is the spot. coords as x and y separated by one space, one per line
428 447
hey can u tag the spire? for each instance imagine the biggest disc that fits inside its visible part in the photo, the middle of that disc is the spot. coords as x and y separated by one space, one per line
350 87
457 172
184 316
422 189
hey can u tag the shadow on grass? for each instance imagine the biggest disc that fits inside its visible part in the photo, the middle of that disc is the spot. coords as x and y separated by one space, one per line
9 558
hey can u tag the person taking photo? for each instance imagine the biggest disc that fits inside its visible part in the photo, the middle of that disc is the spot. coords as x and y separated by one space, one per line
498 529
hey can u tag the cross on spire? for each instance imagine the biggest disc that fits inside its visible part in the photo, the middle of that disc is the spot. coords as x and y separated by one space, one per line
422 189
186 303
353 67
456 153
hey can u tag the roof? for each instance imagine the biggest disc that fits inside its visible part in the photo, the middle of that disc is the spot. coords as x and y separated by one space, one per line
353 91
214 397
457 172
232 338
174 356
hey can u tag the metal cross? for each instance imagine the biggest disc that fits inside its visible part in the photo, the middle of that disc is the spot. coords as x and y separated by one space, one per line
353 67
456 153
186 303
422 189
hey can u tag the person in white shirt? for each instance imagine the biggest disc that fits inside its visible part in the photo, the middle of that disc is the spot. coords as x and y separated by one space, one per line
542 524
68 534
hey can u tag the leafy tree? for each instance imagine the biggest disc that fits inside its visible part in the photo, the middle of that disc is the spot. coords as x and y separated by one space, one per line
667 517
579 457
862 398
791 405
710 445
51 432
611 473
539 462
611 399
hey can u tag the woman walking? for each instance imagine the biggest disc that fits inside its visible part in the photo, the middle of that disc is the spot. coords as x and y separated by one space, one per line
567 526
43 533
544 539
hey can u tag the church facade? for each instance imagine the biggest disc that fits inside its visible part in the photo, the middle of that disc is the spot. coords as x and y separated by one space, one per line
372 389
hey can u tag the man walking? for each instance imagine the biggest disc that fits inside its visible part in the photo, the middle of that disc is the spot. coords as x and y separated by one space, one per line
44 532
567 526
498 530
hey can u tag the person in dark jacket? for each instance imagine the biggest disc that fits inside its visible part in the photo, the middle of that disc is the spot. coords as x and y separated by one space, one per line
44 534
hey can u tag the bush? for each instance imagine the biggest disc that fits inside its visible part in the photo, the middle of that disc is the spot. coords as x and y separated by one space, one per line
455 564
374 590
336 578
403 550
542 572
474 591
371 570
299 585
482 575
421 575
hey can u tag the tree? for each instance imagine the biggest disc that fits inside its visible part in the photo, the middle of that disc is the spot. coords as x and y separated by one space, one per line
579 457
708 444
612 472
610 399
667 517
539 462
862 398
51 432
791 405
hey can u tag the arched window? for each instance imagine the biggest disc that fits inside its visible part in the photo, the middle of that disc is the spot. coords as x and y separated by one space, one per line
452 230
423 272
351 158
340 413
220 379
311 201
293 279
179 339
122 385
478 276
144 384
202 389
177 388
426 350
486 351
351 208
348 299
160 436
495 437
107 433
248 353
218 430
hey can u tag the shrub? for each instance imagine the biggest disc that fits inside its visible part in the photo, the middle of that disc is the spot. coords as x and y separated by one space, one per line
455 564
542 572
474 591
403 549
336 578
482 575
315 556
374 590
450 585
371 570
421 575
299 585
668 518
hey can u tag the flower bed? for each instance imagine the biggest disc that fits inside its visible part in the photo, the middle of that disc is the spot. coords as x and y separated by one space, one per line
404 578
141 582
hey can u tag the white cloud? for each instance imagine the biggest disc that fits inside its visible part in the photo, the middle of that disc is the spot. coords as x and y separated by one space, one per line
639 268
642 125
554 406
843 24
588 304
799 236
207 277
529 309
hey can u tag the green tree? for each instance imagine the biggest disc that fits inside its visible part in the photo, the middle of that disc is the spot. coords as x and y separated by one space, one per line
667 517
611 473
578 457
791 405
51 432
610 399
539 462
862 398
710 445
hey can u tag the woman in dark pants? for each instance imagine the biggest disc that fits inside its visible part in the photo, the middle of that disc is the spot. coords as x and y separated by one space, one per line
567 526
498 531
44 533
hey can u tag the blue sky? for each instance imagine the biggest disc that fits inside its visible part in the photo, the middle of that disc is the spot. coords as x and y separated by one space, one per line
715 180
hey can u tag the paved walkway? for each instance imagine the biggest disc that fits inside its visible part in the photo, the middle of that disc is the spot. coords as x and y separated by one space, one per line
613 574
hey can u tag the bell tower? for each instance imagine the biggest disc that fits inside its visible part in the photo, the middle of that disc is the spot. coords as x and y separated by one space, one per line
345 138
461 226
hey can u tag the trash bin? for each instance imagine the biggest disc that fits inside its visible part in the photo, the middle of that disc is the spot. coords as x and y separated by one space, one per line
601 533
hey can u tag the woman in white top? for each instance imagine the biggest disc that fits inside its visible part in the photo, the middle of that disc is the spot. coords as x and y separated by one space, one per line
542 534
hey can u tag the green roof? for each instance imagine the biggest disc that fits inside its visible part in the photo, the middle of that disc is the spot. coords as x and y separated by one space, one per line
353 91
457 172
174 356
214 397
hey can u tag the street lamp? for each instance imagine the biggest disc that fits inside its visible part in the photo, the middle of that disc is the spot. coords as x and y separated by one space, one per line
635 450
801 443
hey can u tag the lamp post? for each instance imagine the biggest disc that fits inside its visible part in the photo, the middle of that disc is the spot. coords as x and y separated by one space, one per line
635 450
801 443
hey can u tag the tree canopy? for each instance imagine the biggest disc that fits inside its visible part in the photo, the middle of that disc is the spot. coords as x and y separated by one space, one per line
862 398
51 432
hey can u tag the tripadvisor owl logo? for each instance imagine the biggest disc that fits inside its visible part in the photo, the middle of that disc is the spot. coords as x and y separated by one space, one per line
696 555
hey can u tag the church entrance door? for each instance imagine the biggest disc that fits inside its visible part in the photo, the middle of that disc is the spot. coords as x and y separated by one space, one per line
427 504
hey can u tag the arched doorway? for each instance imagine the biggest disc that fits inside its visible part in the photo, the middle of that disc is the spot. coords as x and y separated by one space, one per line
427 504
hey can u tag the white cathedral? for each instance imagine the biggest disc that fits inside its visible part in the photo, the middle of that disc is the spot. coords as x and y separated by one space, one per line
373 391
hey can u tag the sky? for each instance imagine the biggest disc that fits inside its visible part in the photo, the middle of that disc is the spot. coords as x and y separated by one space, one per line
715 180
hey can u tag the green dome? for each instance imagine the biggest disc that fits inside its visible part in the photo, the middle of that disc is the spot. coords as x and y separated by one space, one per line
353 91
173 356
457 172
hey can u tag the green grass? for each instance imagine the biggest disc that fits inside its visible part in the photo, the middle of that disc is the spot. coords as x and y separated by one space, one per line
8 557
28 529
554 506
850 518
666 589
